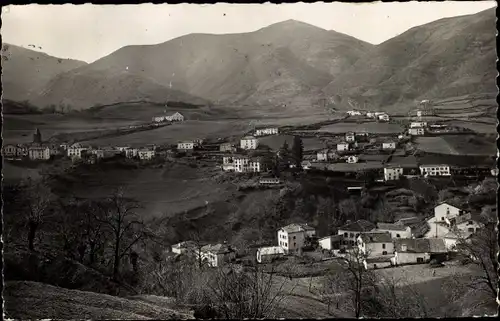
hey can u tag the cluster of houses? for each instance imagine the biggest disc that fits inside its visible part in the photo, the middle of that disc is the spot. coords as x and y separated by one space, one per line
176 117
36 150
378 115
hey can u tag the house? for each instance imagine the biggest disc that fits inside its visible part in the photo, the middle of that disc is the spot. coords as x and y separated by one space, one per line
184 247
131 152
411 251
350 137
397 231
331 242
353 113
159 119
244 164
435 170
409 221
445 211
269 254
375 243
185 145
452 238
389 145
198 141
99 153
383 117
146 153
418 124
9 150
292 237
392 173
419 113
351 159
216 255
306 165
325 155
249 142
419 131
351 231
269 181
341 147
227 147
175 117
266 131
39 153
22 151
75 151
466 223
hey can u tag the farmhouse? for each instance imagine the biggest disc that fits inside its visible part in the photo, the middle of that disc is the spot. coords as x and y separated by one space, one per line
466 223
216 255
331 242
9 150
292 237
99 153
435 170
325 155
341 147
419 131
245 164
418 124
185 145
131 152
351 159
353 113
397 231
392 173
410 251
39 153
184 247
146 153
22 151
75 151
389 145
350 137
445 211
269 254
227 147
375 243
383 117
175 117
351 231
266 131
452 238
159 119
249 142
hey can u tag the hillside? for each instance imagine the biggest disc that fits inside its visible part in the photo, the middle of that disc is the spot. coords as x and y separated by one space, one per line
34 300
25 71
272 66
446 58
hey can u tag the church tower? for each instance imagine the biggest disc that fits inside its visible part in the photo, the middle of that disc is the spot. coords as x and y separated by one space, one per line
37 136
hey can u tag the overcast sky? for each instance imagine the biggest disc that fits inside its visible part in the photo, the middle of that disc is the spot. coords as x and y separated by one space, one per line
89 32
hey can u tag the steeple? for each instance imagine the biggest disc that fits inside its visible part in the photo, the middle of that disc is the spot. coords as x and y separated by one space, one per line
37 137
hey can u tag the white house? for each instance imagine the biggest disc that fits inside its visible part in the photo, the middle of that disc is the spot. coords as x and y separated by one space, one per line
158 119
266 131
227 147
418 124
416 131
397 231
353 113
392 173
175 117
131 152
375 243
351 231
351 159
216 255
185 145
293 236
249 142
411 251
419 113
466 223
270 253
451 239
331 242
389 145
39 153
435 170
184 247
325 155
341 147
444 212
244 164
75 151
306 165
383 117
350 137
146 153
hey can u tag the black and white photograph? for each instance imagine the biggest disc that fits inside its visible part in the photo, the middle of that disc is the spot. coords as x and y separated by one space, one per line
249 161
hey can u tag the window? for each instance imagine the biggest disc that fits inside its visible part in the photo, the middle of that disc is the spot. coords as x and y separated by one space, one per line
397 235
420 260
470 223
383 245
294 237
294 244
345 234
470 229
384 252
351 234
442 218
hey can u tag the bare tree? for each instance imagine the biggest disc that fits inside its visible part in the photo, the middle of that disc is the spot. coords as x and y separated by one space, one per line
37 200
125 226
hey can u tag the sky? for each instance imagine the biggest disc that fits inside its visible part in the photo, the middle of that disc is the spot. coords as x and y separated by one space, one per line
89 32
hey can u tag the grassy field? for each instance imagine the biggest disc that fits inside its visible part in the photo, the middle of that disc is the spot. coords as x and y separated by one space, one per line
275 142
370 127
435 145
13 173
472 144
489 126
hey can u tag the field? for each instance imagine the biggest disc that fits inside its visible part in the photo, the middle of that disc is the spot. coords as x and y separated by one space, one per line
435 145
370 127
346 167
486 127
276 141
457 145
13 173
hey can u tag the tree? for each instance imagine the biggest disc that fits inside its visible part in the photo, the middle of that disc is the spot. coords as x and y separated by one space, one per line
37 200
297 151
125 227
283 157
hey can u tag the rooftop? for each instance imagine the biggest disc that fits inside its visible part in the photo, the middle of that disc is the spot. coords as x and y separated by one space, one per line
248 137
358 226
433 245
376 237
185 244
457 235
294 228
217 248
271 250
391 227
332 237
467 217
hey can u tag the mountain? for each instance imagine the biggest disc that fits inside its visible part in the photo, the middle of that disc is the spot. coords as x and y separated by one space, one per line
25 71
446 58
285 63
